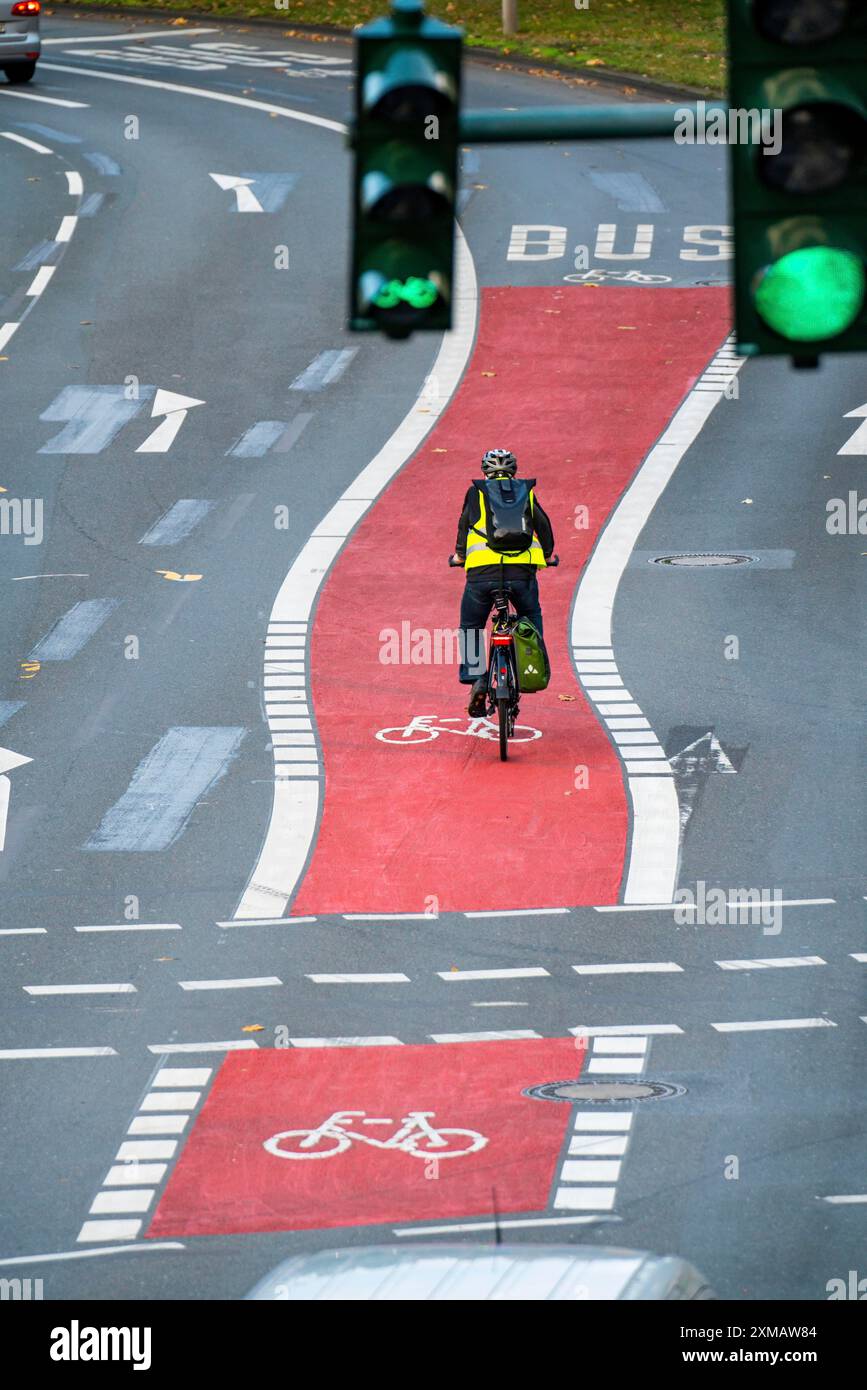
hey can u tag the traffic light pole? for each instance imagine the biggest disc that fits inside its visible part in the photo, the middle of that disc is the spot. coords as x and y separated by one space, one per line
581 123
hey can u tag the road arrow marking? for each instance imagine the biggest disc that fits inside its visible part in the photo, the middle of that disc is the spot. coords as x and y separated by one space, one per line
174 408
858 442
692 766
8 760
246 199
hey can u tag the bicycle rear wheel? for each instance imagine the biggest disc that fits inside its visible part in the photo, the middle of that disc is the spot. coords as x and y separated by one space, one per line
503 719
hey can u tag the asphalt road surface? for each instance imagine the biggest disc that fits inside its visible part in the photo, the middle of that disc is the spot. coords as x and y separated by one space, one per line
229 908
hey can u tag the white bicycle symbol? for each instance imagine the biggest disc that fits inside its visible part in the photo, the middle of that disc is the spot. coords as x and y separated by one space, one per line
415 1136
421 729
595 277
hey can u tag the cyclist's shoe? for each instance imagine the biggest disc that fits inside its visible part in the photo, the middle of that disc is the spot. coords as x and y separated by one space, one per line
478 698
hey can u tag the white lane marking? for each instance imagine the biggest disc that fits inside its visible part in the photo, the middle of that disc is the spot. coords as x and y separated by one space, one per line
388 917
40 279
6 333
202 92
134 1149
346 1042
157 1124
92 1254
178 522
359 979
654 846
613 1044
73 630
79 989
266 922
840 1200
174 409
585 1198
166 786
617 1029
255 982
755 1026
234 1045
46 101
66 228
485 1037
522 912
693 907
590 1170
587 1121
134 926
858 955
24 931
500 1004
466 1226
127 1175
296 800
170 1100
597 1145
131 38
22 140
327 367
648 967
527 972
26 1053
121 1201
245 199
182 1076
616 1066
109 1230
628 723
769 963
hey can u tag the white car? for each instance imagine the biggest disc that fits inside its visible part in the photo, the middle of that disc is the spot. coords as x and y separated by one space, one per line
20 44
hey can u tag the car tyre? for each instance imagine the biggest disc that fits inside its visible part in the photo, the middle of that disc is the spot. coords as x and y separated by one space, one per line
19 72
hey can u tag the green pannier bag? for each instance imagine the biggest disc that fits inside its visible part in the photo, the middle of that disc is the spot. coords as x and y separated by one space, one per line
534 668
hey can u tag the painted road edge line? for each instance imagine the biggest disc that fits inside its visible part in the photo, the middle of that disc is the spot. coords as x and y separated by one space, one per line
653 851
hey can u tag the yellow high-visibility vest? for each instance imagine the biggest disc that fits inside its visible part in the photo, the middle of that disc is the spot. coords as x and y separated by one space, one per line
480 553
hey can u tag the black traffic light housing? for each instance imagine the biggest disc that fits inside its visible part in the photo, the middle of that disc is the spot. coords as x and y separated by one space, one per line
405 137
800 196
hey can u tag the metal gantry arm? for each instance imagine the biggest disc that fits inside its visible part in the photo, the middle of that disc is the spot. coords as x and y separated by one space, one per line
641 120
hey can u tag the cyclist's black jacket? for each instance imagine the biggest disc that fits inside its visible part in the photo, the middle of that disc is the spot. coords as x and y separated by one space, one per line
471 516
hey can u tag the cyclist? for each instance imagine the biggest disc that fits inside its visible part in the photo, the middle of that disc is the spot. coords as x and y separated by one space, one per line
484 570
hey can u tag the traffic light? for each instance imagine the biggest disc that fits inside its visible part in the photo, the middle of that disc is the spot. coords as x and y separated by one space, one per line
407 104
800 195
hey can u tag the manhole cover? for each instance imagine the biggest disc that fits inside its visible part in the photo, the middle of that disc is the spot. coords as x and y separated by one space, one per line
702 559
602 1092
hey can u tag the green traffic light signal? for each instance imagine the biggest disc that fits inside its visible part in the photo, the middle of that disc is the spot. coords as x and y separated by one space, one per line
406 142
800 194
811 295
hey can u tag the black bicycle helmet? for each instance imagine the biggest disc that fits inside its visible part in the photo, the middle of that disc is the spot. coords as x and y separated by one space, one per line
498 463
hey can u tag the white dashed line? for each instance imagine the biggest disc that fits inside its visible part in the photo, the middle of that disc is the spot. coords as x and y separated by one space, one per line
66 228
22 140
6 333
780 961
40 280
254 982
528 972
24 931
755 1026
522 912
616 1029
235 1045
359 979
79 989
75 182
346 1042
649 967
133 926
46 101
485 1037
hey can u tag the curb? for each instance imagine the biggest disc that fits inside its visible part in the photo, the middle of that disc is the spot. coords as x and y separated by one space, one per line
335 33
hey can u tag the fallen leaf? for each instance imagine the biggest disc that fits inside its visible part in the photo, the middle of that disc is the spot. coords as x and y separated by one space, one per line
182 578
480 185
626 327
440 451
253 1028
570 698
747 501
180 20
161 958
489 373
85 323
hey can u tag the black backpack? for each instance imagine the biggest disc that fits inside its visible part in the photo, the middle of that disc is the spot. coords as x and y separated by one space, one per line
508 514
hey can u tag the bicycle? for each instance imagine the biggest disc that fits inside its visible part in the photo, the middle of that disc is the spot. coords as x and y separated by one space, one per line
504 691
415 1137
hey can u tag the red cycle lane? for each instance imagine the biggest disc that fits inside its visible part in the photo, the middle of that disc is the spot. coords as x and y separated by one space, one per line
379 1103
579 383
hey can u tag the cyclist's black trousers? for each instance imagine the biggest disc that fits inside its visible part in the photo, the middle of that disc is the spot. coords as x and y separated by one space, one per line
476 604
